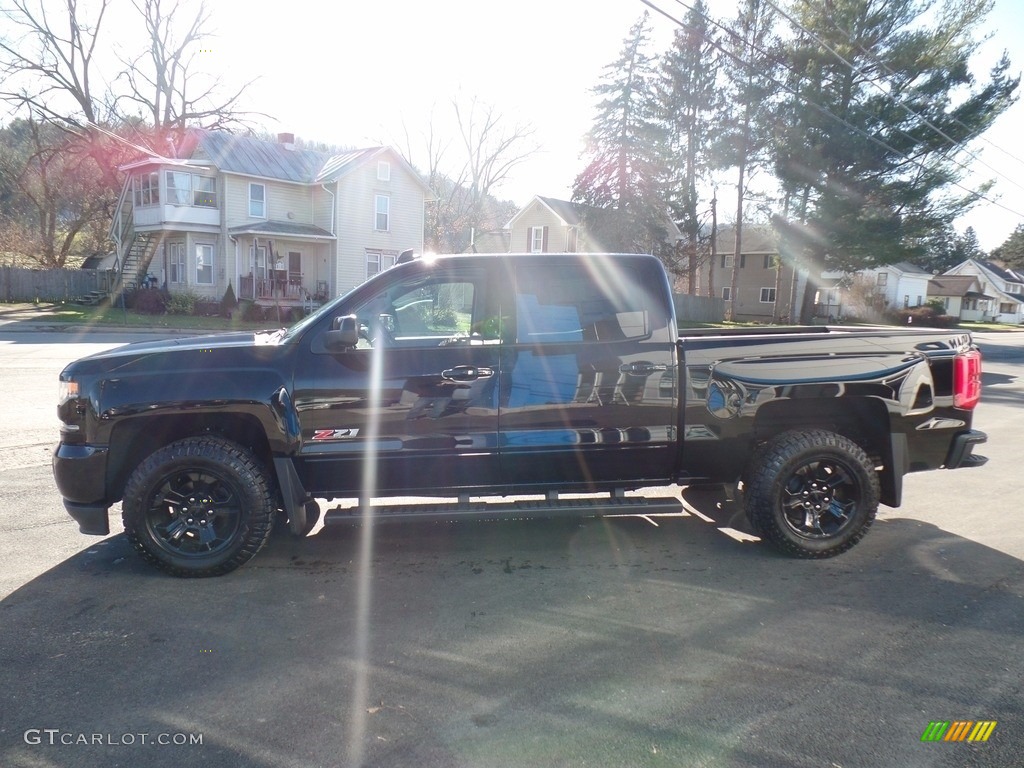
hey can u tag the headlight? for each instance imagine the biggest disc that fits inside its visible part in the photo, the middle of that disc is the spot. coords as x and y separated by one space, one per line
68 391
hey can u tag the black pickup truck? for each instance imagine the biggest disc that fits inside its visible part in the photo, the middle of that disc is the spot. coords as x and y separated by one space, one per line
467 378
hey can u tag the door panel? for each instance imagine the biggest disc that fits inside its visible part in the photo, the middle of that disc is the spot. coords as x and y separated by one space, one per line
588 393
429 416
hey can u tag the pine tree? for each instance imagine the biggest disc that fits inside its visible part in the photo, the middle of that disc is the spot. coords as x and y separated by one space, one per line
1011 251
884 108
749 116
621 184
688 99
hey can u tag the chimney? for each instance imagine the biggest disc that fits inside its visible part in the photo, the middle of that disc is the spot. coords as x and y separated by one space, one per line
287 140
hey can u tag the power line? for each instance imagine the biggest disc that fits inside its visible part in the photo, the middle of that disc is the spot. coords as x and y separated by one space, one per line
890 72
874 139
955 144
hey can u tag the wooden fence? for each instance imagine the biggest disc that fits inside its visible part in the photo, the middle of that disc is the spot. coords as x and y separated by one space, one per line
699 309
23 284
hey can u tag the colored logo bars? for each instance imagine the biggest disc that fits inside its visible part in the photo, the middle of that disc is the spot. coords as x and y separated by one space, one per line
958 730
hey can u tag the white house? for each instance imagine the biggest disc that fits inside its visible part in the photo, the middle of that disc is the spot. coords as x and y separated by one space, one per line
1005 286
279 223
901 285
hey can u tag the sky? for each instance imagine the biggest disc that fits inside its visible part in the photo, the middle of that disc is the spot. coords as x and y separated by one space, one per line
357 74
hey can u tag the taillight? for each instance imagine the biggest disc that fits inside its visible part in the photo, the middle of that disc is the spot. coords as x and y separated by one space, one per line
967 379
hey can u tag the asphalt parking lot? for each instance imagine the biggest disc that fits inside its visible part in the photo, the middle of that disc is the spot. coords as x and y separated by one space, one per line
625 642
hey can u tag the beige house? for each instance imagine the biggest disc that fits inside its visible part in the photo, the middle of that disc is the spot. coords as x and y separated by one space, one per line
961 296
762 293
547 225
280 224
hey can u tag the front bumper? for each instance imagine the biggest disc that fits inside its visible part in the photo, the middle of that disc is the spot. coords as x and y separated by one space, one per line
961 451
80 472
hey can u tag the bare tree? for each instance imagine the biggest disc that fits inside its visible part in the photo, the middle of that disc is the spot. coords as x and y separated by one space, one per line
164 82
464 173
49 74
493 148
62 194
47 62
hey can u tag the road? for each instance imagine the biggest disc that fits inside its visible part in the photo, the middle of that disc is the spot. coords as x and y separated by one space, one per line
619 642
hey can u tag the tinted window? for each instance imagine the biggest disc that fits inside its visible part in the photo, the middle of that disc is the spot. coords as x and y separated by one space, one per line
571 303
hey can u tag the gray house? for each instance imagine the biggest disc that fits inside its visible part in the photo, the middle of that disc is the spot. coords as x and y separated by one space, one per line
280 224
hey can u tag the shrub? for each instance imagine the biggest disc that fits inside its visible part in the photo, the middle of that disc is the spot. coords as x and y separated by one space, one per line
182 303
207 308
926 316
228 302
252 312
151 302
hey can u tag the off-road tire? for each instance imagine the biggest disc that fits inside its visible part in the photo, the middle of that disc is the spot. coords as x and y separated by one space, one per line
811 494
198 507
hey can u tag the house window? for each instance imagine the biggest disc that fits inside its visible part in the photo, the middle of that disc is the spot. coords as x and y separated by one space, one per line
882 278
258 201
727 293
906 302
383 170
146 189
204 264
382 209
743 261
536 239
571 239
204 191
767 261
378 261
176 263
767 295
190 189
728 260
1006 308
179 187
918 301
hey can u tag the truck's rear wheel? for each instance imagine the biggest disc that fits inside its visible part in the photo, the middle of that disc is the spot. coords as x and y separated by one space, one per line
198 507
811 493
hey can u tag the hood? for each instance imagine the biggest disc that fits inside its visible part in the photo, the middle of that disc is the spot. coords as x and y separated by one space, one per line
171 354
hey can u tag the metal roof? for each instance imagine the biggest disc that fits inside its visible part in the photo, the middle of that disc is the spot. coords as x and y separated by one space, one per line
255 157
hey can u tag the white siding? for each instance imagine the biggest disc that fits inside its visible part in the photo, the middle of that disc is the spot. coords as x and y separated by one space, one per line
282 199
356 196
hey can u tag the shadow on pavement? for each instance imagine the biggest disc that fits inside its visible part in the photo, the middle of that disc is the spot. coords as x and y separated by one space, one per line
544 643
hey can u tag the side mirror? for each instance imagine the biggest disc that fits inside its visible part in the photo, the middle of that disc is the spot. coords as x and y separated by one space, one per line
344 334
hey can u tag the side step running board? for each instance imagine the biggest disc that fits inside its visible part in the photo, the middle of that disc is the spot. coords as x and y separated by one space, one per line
552 506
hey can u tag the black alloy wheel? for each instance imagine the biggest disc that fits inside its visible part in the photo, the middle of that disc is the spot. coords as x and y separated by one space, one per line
811 494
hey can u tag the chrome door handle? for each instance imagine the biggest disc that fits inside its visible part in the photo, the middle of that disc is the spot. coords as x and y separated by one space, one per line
466 373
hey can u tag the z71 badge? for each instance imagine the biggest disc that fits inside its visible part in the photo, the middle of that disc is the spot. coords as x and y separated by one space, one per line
334 434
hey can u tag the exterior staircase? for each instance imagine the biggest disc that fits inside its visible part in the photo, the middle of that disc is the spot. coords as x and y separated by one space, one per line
135 250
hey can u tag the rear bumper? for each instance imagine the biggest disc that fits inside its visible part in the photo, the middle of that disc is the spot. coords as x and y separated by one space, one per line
80 472
961 451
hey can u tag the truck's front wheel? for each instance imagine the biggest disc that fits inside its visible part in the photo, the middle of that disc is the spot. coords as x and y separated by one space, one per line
811 493
198 507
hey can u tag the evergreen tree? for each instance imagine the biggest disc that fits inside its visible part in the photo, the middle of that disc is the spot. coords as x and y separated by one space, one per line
622 182
749 116
884 105
688 100
1011 252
